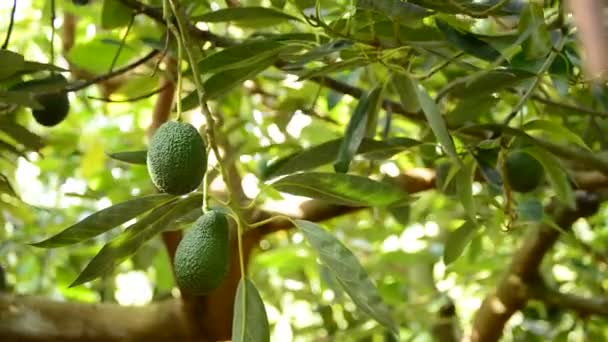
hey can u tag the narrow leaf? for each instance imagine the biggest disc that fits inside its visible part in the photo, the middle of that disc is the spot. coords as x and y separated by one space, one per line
104 220
464 187
245 14
346 268
435 120
249 321
355 131
557 176
530 209
326 152
532 20
127 243
339 188
406 90
555 130
240 56
132 157
468 42
457 241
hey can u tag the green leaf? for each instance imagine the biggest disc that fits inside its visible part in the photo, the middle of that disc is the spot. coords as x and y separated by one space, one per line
115 14
468 42
348 64
325 153
349 272
403 12
457 241
538 44
21 98
406 90
21 134
555 131
10 63
104 220
356 129
249 323
319 52
339 188
530 209
436 122
241 15
131 157
127 243
221 83
490 82
241 56
557 176
464 187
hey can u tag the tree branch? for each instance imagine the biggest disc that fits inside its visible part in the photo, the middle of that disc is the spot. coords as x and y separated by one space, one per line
35 319
584 306
513 291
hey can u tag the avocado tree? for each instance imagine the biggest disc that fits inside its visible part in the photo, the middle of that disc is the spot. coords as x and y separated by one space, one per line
255 170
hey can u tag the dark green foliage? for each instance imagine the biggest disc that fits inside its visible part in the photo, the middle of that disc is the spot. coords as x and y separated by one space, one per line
523 171
442 171
201 259
177 158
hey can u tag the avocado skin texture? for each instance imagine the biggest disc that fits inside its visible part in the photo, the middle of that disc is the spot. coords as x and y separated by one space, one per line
176 158
524 172
202 256
55 105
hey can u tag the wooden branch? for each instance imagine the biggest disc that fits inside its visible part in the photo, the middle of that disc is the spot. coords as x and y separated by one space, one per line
584 306
34 319
513 291
590 18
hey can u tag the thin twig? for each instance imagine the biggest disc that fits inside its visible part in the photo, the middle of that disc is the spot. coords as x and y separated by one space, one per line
122 43
105 77
132 99
10 26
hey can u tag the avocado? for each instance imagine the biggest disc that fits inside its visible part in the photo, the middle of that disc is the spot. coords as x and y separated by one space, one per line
55 103
202 256
176 158
523 171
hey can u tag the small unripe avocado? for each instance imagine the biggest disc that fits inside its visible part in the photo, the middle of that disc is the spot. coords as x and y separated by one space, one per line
177 159
202 256
523 171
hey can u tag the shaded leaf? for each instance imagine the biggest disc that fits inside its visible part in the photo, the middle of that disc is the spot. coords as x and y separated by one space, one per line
22 135
6 187
245 14
132 157
127 243
457 241
468 42
532 19
326 152
338 188
348 271
464 187
406 13
406 90
490 82
104 220
249 322
319 52
436 122
10 63
530 209
356 129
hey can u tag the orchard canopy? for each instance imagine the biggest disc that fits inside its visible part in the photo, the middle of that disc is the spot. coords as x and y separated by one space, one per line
390 170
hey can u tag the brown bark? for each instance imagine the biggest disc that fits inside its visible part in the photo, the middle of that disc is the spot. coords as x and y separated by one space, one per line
33 319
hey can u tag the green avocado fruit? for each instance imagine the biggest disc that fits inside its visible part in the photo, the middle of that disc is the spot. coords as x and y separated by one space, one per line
176 158
55 103
523 171
202 256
